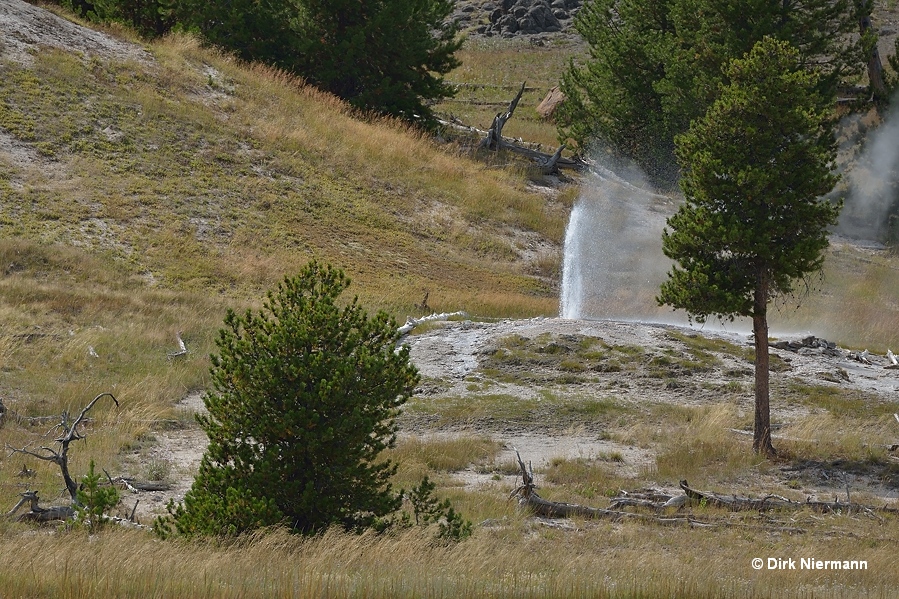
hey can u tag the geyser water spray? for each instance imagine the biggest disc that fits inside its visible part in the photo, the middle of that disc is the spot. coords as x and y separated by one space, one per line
613 263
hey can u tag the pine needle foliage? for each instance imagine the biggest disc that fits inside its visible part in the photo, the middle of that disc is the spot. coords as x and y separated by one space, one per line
305 395
655 66
426 509
94 500
753 224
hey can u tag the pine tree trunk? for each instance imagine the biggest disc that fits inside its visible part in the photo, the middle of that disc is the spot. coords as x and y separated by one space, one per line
875 66
761 442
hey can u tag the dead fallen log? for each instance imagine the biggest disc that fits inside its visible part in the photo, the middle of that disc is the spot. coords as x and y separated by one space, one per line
776 502
734 503
659 501
555 509
530 500
38 513
547 162
137 486
493 140
551 165
411 323
653 499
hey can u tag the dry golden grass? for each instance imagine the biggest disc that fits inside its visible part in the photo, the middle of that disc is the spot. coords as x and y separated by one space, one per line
228 176
514 558
445 454
855 302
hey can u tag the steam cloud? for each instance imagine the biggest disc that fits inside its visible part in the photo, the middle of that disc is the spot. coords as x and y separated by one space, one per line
872 183
613 261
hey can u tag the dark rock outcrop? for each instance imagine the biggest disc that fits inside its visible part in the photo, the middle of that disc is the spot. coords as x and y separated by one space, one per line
508 18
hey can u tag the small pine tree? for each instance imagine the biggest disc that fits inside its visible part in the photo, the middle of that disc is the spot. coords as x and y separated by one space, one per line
94 501
426 509
304 401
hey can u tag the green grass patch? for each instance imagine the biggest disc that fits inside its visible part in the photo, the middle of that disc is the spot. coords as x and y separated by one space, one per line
584 478
840 401
434 454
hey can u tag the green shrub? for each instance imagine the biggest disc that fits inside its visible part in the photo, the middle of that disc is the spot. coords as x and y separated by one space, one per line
304 401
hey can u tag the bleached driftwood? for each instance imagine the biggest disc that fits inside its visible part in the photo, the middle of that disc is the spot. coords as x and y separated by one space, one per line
894 363
866 357
182 348
863 357
411 323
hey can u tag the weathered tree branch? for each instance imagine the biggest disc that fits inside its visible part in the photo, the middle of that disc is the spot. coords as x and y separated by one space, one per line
494 138
61 457
182 348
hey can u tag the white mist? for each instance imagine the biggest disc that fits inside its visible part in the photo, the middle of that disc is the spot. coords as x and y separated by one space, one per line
872 182
613 263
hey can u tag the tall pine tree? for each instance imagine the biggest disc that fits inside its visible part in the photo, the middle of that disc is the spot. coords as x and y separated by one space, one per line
386 55
656 66
611 101
754 169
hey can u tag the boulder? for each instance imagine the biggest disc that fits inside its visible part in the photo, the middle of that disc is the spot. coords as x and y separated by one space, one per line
528 17
550 103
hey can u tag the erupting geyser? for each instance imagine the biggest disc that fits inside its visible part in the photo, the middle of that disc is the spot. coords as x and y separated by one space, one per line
573 264
613 263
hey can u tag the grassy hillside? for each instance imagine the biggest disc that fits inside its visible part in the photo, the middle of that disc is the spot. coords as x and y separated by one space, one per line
142 198
195 173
